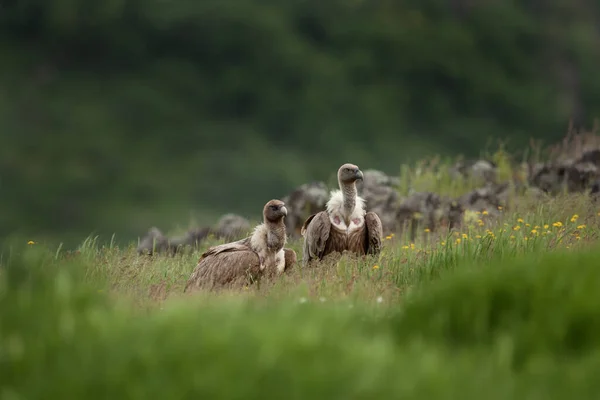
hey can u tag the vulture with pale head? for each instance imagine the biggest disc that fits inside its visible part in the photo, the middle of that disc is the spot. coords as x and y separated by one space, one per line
243 261
344 225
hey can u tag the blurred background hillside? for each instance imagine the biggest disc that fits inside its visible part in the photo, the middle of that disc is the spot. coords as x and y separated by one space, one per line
116 115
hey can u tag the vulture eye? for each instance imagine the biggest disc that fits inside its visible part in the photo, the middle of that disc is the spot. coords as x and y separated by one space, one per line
273 207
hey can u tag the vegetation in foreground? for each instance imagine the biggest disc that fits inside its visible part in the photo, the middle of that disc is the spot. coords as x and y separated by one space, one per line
507 309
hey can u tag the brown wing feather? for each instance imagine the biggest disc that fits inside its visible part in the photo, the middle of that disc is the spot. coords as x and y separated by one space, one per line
290 258
374 233
306 223
242 244
316 231
228 264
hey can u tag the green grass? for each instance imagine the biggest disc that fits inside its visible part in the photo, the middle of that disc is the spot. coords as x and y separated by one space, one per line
504 309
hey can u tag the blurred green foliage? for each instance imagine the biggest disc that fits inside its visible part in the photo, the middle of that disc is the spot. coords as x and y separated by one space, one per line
116 115
524 330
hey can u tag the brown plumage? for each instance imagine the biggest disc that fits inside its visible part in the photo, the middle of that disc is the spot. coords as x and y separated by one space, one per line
244 261
290 258
344 225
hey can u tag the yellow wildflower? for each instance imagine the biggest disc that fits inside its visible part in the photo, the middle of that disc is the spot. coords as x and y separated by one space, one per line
574 218
512 237
528 225
520 220
478 236
484 212
534 231
536 227
412 246
375 266
443 243
31 242
388 237
578 237
458 241
580 226
465 236
500 208
557 224
516 228
546 226
526 238
405 247
480 222
427 230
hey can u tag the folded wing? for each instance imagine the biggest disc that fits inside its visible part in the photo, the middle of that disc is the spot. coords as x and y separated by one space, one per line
225 265
374 233
316 230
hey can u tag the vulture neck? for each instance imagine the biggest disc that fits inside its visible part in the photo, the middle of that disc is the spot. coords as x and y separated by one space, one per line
276 234
349 194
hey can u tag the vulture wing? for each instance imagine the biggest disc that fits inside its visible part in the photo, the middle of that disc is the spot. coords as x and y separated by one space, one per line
315 230
290 258
228 264
374 232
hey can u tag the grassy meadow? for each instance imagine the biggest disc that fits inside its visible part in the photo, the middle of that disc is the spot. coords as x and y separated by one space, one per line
507 308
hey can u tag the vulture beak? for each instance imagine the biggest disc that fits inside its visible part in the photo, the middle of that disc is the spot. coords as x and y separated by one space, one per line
359 175
284 210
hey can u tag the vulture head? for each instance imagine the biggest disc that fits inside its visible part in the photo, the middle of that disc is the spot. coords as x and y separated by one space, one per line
348 174
274 211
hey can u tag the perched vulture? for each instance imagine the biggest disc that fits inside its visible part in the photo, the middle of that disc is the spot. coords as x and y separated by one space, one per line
344 225
243 261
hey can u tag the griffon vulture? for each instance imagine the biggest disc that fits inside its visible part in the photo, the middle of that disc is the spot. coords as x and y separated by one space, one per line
243 261
344 225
